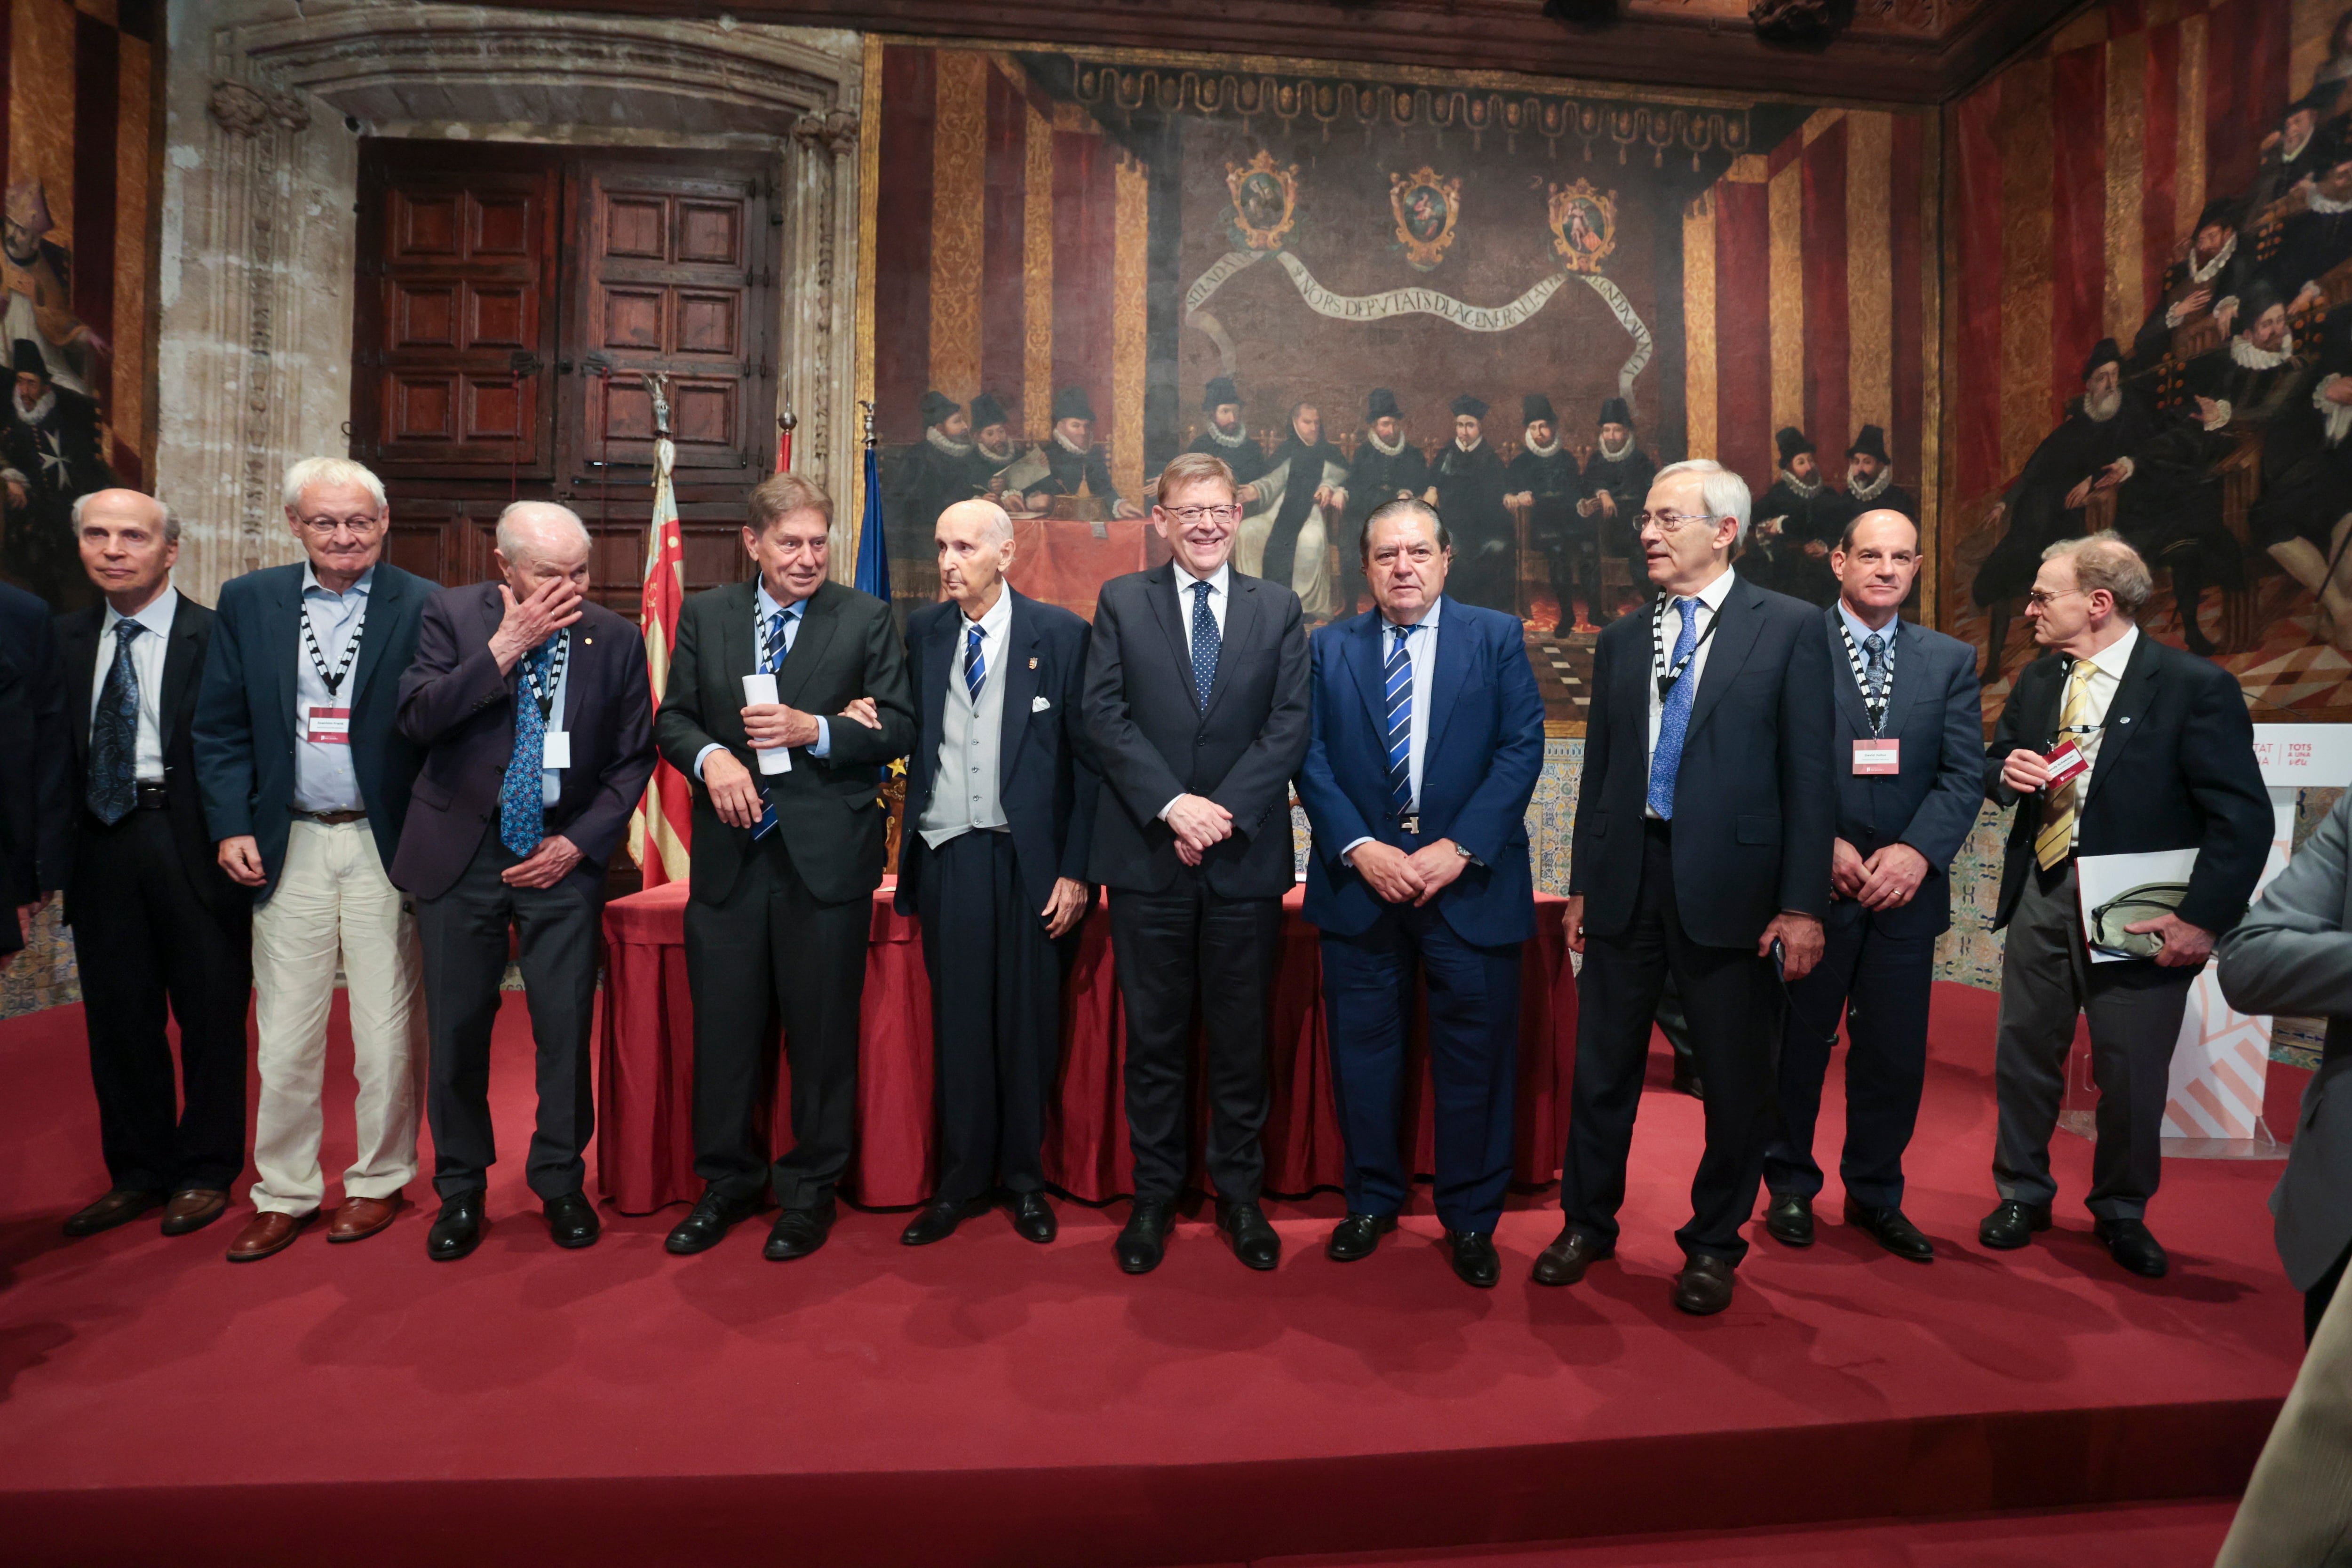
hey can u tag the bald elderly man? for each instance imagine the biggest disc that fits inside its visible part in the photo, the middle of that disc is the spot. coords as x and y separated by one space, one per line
533 710
1000 815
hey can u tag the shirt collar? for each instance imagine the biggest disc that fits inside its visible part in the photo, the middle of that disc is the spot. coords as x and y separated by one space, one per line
1860 629
1218 581
995 618
1714 593
361 587
1428 621
156 617
2110 661
797 609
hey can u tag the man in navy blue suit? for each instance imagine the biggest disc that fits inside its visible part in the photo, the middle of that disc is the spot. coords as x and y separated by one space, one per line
1428 736
1906 749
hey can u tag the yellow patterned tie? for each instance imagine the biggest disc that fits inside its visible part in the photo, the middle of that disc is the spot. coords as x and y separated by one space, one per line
2057 834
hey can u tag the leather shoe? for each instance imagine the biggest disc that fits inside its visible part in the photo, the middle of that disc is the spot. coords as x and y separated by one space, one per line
1254 1241
1886 1224
935 1221
1703 1287
193 1208
267 1235
572 1220
2129 1244
1790 1220
1143 1241
1356 1235
2013 1225
457 1230
798 1232
120 1207
714 1214
1033 1218
356 1219
1474 1261
1687 1081
1569 1255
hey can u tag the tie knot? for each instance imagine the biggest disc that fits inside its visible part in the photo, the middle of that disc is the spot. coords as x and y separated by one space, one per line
2084 669
1201 592
1689 609
1873 644
975 634
127 629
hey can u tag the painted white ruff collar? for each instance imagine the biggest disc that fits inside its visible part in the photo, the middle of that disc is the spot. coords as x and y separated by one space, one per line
1064 443
1804 491
1619 454
1237 438
940 439
2207 271
2252 358
1874 488
1381 445
1550 451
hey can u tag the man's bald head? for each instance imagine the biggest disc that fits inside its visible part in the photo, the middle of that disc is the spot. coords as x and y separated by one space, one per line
983 513
975 540
1876 560
129 542
539 542
1878 518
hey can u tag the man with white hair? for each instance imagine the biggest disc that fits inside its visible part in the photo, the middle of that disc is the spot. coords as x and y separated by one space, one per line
306 777
1702 851
535 714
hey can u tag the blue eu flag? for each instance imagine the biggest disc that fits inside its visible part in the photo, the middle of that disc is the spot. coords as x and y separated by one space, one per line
873 549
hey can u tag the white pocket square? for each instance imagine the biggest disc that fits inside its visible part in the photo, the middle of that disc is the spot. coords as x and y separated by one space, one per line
1038 705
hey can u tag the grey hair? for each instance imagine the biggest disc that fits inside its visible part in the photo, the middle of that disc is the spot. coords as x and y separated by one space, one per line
315 471
1723 492
170 523
2103 560
1404 505
511 543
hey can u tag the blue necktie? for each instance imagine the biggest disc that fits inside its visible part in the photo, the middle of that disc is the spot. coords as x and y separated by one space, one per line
777 646
113 787
1675 721
1204 644
1396 681
522 799
975 666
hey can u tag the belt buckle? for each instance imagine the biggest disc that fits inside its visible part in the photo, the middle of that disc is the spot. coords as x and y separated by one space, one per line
1410 822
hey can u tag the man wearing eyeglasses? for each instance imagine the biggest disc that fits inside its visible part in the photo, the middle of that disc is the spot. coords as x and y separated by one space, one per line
1701 851
306 781
1196 708
2173 726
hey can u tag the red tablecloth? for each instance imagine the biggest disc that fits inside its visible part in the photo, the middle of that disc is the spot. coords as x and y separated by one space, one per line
1064 563
645 1096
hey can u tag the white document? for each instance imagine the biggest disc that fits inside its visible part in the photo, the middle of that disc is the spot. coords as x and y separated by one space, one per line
758 690
555 749
2152 882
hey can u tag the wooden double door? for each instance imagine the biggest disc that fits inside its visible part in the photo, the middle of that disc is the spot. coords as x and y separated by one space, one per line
512 301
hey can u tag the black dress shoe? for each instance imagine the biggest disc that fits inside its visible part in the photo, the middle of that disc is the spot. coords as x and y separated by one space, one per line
1703 1287
714 1214
798 1233
457 1230
1356 1235
1790 1220
1687 1081
1475 1260
935 1221
120 1207
1254 1241
572 1220
1884 1225
2131 1245
1569 1255
1033 1218
2013 1225
1144 1240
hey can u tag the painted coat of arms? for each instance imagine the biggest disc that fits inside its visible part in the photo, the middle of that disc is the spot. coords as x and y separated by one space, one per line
1583 225
1265 200
1426 210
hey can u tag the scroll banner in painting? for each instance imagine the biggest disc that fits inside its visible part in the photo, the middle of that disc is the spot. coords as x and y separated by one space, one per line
1421 303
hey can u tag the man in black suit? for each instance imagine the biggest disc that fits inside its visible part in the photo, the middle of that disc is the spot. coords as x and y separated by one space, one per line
1907 753
157 925
2174 727
1000 818
1196 707
785 862
1702 850
533 710
36 805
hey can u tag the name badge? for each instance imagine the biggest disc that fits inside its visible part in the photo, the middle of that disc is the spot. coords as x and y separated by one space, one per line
327 726
2065 762
1878 756
556 748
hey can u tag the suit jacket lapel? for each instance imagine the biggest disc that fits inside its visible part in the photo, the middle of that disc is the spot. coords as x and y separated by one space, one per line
738 650
78 648
283 644
1453 661
939 668
2136 690
1738 623
1849 695
1159 588
179 665
1909 665
1241 618
386 593
1368 663
818 623
1021 659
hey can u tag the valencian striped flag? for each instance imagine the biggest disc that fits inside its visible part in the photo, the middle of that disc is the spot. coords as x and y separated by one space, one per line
660 830
873 550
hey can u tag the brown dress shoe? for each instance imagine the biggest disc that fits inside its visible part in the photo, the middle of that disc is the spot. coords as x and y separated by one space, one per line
193 1208
265 1234
1703 1287
356 1219
120 1207
1566 1259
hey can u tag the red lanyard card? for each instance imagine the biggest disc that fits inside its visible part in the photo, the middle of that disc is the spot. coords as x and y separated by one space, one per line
329 726
2065 761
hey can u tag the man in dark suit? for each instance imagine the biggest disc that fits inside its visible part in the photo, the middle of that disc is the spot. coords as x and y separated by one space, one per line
1000 817
1428 737
36 805
535 715
1907 752
785 862
305 777
2175 728
1196 708
1702 850
159 928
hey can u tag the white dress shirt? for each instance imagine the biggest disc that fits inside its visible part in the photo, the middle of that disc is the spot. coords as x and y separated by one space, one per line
1421 649
550 780
1710 605
763 607
325 776
2107 668
147 650
1220 583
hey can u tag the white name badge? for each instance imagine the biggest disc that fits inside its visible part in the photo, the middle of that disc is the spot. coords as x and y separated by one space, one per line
1878 756
555 749
759 690
326 726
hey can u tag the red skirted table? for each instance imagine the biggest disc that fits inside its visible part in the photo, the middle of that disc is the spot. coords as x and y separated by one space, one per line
645 1087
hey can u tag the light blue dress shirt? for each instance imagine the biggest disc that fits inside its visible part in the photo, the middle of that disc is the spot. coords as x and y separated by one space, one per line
324 778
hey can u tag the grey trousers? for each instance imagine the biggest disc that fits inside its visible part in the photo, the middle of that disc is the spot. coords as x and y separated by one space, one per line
2134 1008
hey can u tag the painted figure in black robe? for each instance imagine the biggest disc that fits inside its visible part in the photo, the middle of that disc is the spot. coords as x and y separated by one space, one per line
1386 468
1616 483
1544 482
1466 486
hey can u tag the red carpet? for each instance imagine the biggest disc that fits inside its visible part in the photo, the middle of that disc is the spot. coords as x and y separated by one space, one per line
988 1402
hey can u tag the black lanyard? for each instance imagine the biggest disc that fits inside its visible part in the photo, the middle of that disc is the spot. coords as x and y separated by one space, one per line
545 697
334 677
1874 696
1664 677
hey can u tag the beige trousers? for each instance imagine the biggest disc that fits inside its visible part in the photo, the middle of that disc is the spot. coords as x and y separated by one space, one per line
2297 1511
333 899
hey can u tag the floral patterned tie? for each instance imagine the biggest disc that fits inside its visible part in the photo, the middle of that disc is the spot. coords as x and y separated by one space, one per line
522 800
113 787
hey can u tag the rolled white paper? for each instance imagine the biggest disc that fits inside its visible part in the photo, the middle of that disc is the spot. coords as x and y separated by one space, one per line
759 690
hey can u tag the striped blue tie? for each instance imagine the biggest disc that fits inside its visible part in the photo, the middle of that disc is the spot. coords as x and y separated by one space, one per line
777 646
975 666
1397 683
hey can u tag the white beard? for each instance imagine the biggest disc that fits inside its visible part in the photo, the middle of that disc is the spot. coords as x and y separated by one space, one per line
1068 446
1856 491
2206 271
39 411
1222 439
941 440
1552 450
2104 407
2252 358
1382 447
1805 490
1619 454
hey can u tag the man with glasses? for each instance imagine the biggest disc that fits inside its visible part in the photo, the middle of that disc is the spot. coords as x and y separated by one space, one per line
1196 707
306 781
1702 851
2175 727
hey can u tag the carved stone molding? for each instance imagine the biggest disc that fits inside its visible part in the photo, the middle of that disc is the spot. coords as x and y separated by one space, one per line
835 132
241 111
